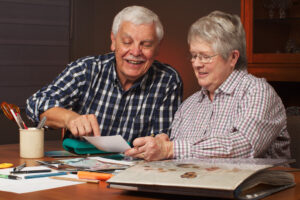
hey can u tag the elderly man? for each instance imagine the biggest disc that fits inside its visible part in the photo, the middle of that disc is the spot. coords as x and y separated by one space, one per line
126 92
234 114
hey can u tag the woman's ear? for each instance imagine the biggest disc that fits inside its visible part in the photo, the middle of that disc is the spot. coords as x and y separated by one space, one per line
234 57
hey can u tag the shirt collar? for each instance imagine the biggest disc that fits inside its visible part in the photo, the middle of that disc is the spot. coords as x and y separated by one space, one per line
232 81
114 77
203 92
228 85
141 82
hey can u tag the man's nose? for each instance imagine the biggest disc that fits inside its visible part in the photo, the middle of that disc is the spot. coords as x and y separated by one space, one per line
136 50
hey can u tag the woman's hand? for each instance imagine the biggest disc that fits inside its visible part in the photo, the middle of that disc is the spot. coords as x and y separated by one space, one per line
152 148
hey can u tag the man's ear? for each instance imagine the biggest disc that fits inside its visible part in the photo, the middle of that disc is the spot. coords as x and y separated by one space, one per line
158 47
113 42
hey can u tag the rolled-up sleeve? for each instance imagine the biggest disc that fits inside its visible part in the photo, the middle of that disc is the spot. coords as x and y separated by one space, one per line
64 92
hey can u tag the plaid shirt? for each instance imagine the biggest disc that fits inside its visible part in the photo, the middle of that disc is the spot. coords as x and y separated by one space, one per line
245 119
90 86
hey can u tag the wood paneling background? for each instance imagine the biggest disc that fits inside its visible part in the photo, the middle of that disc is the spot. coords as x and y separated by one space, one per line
34 45
39 37
34 48
93 21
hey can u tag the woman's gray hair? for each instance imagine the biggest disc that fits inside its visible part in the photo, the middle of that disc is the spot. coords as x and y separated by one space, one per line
224 32
138 15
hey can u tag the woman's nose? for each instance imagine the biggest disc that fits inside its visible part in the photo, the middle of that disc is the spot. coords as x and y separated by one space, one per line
198 63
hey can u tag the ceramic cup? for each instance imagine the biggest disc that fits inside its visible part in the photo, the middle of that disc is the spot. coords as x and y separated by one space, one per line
31 143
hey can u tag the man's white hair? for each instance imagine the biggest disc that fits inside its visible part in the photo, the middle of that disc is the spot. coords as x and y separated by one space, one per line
138 15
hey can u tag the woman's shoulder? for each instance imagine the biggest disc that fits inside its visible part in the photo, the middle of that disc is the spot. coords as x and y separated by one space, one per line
253 84
191 100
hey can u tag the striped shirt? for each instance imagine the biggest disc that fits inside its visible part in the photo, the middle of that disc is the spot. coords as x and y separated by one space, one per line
90 86
245 119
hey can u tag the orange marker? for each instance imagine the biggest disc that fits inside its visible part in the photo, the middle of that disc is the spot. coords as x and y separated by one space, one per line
94 175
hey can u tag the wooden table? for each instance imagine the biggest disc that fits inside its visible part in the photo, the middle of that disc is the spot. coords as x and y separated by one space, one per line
10 153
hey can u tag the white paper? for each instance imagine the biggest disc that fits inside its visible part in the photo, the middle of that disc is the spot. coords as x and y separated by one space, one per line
120 162
32 185
114 143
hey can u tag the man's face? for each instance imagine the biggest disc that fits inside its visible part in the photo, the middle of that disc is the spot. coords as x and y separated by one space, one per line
135 47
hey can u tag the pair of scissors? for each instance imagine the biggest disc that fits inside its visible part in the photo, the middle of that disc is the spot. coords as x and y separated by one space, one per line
12 112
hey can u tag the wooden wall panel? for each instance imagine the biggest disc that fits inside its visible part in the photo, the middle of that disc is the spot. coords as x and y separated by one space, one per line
96 17
34 45
34 49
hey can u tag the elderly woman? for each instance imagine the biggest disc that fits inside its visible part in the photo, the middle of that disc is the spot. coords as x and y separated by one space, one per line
233 115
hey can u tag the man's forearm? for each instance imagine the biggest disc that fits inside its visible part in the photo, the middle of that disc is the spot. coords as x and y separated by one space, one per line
58 117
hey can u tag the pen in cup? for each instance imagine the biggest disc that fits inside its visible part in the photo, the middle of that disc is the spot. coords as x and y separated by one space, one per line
21 120
16 119
42 122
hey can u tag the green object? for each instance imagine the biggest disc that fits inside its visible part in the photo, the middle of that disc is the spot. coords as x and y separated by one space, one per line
3 176
81 147
9 176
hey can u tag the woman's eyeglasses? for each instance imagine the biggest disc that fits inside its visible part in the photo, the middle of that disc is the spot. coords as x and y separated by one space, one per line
205 59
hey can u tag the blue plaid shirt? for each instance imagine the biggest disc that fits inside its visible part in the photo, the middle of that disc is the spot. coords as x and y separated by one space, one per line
90 86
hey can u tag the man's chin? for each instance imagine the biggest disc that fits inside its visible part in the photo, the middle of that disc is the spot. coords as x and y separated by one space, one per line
133 78
134 74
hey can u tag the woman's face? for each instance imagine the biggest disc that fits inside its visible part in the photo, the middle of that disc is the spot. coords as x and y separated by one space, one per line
212 70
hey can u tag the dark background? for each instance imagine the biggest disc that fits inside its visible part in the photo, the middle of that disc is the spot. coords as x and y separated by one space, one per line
39 37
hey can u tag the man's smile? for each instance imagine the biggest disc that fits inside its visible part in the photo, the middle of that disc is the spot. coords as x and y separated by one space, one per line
135 62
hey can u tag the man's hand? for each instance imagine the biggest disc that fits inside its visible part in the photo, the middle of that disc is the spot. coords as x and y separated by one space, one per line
83 125
152 148
79 125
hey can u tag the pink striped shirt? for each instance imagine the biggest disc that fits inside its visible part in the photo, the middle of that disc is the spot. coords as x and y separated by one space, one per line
245 119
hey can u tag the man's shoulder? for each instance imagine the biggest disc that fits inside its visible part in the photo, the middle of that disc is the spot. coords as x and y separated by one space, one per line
98 58
92 62
165 70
